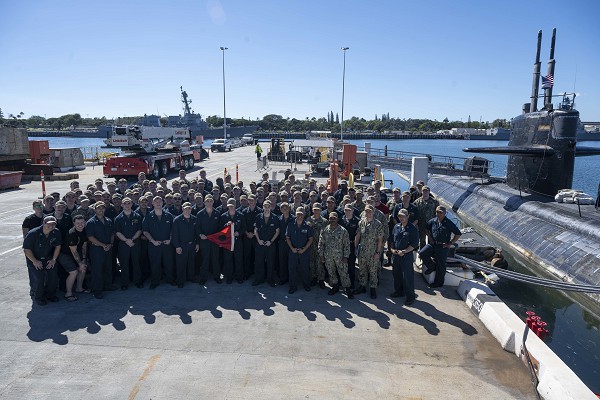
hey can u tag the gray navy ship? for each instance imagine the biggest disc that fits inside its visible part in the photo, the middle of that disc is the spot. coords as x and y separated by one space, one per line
195 123
519 212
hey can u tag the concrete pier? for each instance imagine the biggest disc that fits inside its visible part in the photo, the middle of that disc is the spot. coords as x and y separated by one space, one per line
238 341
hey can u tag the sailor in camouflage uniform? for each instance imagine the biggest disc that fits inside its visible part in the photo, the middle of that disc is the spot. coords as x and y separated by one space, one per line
317 223
384 219
334 249
426 206
358 204
370 237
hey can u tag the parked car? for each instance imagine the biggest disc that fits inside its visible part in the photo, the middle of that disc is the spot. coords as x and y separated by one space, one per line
248 139
220 145
236 142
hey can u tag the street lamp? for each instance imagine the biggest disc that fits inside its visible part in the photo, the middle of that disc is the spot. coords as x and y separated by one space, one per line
224 109
343 87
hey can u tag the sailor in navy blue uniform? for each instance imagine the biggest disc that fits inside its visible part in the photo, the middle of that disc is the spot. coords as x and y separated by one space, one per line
42 248
405 239
441 235
266 229
413 212
128 228
233 263
101 235
157 228
207 221
185 241
283 250
250 214
299 238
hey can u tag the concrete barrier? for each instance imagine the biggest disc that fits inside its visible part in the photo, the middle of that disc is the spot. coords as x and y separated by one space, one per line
556 380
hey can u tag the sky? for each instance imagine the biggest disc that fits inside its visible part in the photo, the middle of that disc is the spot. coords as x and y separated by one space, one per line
411 59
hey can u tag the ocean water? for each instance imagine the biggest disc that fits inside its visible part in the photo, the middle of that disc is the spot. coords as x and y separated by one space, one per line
574 333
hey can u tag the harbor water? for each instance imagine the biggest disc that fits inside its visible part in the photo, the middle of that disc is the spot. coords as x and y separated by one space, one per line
574 333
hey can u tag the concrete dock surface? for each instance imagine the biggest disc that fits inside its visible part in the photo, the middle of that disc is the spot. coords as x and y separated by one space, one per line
238 341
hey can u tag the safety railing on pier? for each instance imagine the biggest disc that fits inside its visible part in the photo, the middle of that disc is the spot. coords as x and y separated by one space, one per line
438 164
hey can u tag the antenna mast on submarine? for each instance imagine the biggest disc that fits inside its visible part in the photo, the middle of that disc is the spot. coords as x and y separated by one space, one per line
551 63
536 76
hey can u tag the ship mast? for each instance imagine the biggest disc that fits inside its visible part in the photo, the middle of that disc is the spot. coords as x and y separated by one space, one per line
551 64
536 76
186 102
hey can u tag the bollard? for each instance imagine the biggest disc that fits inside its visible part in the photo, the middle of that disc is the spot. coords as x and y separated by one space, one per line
43 183
541 328
529 321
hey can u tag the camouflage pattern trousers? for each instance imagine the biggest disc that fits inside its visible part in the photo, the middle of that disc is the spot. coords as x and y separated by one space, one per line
368 268
317 270
336 266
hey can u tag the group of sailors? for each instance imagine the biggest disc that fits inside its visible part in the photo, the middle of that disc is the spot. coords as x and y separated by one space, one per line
293 232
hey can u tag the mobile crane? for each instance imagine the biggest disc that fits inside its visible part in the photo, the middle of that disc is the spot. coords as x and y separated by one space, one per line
152 150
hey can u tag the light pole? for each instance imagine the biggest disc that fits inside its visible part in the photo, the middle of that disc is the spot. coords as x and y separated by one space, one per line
343 87
224 109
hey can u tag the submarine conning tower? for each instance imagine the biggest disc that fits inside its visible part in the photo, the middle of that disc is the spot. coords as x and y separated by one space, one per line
553 132
552 137
543 143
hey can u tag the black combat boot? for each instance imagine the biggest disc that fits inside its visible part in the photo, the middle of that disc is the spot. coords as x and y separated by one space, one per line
334 290
361 289
349 293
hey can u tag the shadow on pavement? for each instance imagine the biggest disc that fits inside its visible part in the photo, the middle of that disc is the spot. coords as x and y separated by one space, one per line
55 320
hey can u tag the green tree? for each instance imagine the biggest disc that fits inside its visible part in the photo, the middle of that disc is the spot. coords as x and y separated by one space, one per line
35 121
272 122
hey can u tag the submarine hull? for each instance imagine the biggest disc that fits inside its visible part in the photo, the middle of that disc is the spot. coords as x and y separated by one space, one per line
548 237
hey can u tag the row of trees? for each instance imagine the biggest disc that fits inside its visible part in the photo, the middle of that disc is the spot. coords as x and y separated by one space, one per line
275 122
271 122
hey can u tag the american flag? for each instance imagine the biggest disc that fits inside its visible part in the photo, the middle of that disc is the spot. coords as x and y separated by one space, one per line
547 81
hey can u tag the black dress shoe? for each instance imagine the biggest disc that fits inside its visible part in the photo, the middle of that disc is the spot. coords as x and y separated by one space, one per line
292 291
180 286
53 299
361 289
397 294
272 284
202 281
349 293
256 283
153 286
98 295
124 287
139 285
408 302
435 285
240 281
333 290
307 288
373 293
218 280
41 302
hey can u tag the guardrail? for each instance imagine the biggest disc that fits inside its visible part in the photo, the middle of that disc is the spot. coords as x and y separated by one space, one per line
438 164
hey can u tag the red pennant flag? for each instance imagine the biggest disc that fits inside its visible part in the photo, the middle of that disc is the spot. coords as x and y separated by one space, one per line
224 238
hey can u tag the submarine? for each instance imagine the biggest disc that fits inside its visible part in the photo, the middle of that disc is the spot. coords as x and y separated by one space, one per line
519 212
